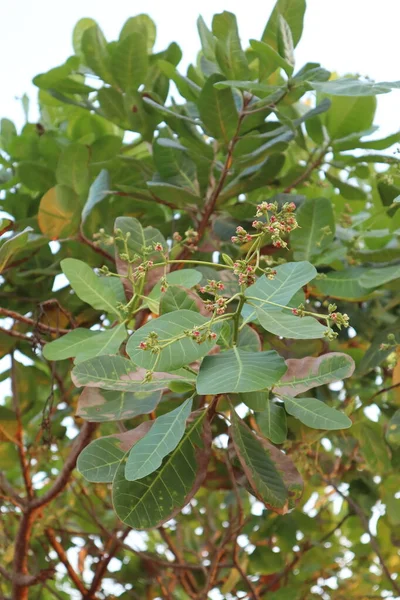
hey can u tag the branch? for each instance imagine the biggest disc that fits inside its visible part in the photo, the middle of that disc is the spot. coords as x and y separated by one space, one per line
63 558
23 458
373 541
11 493
27 580
59 484
82 238
21 336
140 196
36 325
210 205
304 176
112 546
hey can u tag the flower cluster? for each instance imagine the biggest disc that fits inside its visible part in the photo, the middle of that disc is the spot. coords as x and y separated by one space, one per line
189 241
212 287
277 222
339 319
391 343
218 305
241 236
201 336
151 342
245 272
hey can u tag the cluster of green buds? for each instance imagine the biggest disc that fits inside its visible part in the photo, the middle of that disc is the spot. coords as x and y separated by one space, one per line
245 272
277 222
101 237
189 241
201 336
300 311
151 342
218 304
212 287
337 318
391 343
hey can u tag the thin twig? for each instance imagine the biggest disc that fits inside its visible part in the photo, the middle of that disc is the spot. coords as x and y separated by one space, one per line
23 319
64 559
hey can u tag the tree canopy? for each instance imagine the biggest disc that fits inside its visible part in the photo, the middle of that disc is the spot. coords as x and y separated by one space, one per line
199 325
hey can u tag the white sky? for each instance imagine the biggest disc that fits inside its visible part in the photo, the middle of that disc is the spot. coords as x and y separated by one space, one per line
346 35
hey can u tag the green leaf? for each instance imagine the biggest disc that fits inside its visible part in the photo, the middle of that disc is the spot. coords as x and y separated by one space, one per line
96 54
373 278
306 373
372 447
35 176
218 110
393 431
272 422
257 401
174 165
59 212
290 326
350 192
12 246
163 438
257 465
99 406
313 215
178 298
343 284
142 24
380 144
177 352
78 32
293 13
272 295
315 413
188 90
99 461
350 87
99 189
89 287
84 344
207 39
228 50
174 195
151 501
270 59
285 41
129 62
120 374
73 169
349 115
236 371
141 239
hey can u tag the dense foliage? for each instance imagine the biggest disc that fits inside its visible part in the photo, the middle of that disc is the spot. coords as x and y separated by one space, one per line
200 311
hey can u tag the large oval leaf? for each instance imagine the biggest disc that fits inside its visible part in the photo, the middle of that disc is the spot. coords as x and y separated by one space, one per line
276 293
99 461
165 435
106 405
151 501
306 373
272 422
59 212
259 469
89 287
236 371
290 326
117 373
315 413
84 344
175 354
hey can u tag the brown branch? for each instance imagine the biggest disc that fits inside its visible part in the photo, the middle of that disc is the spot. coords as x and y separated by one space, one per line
112 547
21 336
305 175
373 541
64 559
36 325
187 580
382 391
34 505
210 205
27 580
10 492
23 457
82 238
